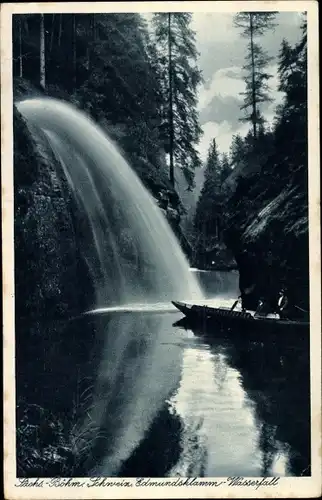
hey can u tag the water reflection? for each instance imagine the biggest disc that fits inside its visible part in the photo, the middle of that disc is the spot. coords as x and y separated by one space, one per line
149 399
140 366
260 405
219 438
168 402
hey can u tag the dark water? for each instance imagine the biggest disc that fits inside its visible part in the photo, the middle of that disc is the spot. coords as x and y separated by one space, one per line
191 407
167 402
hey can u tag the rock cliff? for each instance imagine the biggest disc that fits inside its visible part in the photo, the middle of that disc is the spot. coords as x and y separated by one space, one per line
268 235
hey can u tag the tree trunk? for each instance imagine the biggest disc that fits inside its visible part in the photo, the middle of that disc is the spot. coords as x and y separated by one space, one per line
94 27
42 53
89 49
74 53
20 48
254 111
52 34
60 29
171 127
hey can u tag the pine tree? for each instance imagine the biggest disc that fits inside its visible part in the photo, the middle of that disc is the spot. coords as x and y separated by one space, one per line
253 25
74 49
42 53
20 47
208 212
179 79
286 65
292 69
225 167
237 150
17 45
291 119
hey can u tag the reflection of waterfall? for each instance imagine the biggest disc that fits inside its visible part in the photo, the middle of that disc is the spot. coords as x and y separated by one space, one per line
275 378
221 441
131 251
139 367
132 256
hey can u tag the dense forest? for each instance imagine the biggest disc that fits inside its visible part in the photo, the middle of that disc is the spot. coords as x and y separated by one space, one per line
139 84
255 201
140 79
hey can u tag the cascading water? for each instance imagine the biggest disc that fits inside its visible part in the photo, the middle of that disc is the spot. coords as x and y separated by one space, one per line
136 256
132 257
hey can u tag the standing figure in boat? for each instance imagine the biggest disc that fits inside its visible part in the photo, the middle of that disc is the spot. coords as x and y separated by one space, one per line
288 309
248 286
283 304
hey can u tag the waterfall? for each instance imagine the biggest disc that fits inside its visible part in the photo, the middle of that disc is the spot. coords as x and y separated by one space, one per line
132 257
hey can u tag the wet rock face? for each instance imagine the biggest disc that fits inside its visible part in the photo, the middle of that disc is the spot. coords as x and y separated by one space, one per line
46 253
270 245
52 285
170 205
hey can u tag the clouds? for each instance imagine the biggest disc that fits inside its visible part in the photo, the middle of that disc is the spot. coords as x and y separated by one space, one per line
213 27
219 107
222 132
225 82
222 52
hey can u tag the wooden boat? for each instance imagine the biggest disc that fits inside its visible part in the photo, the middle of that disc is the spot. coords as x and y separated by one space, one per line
242 319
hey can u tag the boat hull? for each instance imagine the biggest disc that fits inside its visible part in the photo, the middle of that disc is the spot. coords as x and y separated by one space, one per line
229 319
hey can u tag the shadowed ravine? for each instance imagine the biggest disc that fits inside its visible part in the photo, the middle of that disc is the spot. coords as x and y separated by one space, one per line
152 399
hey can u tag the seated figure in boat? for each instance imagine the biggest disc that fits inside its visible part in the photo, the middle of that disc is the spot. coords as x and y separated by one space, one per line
282 308
288 309
266 308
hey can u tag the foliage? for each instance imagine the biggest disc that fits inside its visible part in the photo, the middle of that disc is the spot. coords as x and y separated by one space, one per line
43 445
179 78
268 210
225 167
108 65
209 217
253 25
291 119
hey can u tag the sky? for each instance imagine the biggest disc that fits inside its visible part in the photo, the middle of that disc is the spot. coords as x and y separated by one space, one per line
222 51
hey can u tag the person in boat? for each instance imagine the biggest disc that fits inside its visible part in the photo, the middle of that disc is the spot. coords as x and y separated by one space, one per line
287 309
283 303
272 304
265 309
282 308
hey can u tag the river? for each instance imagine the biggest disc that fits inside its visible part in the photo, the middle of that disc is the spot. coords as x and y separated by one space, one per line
159 400
194 408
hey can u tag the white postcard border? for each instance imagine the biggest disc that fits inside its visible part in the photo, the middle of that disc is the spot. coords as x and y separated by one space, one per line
286 487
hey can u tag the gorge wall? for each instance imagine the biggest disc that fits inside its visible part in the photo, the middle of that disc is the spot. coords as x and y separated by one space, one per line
267 231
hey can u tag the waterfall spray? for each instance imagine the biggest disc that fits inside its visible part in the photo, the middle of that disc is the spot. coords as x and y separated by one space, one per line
133 257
